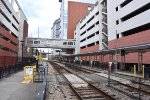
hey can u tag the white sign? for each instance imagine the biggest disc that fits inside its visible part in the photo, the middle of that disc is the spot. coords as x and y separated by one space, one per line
29 71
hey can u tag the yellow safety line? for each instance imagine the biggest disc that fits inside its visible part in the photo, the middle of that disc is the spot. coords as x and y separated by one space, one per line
130 74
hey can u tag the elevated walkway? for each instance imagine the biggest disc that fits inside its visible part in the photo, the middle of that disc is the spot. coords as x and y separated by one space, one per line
12 89
50 43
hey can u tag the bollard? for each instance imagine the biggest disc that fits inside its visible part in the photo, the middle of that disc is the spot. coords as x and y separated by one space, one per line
134 70
143 70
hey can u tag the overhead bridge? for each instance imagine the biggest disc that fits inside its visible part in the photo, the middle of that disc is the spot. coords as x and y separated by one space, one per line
50 43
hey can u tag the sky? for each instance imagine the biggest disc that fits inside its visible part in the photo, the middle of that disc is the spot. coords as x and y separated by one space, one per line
42 14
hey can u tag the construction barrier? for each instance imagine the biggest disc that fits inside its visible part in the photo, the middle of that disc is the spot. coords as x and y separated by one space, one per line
29 72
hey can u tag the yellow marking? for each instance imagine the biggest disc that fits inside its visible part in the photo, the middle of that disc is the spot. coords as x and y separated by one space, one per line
130 74
26 81
143 70
134 70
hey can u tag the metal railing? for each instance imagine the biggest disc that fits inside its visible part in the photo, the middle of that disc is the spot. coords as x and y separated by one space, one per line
104 10
104 20
104 30
42 90
10 65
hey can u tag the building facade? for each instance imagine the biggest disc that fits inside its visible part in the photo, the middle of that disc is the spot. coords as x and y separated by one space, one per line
128 25
64 15
13 28
91 32
55 30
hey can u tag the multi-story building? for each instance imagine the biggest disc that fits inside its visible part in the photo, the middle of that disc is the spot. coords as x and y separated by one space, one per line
91 32
128 25
55 30
64 15
13 28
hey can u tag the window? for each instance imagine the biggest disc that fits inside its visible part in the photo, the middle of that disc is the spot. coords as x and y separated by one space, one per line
92 44
117 22
91 36
136 12
136 30
97 13
90 28
64 43
6 6
116 8
83 33
97 32
125 3
83 40
83 47
97 22
90 19
83 26
70 43
36 42
97 42
117 36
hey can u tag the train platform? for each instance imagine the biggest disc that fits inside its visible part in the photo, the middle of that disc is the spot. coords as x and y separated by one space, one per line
12 88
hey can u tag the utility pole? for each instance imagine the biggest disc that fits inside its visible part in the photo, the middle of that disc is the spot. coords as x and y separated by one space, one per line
115 62
38 31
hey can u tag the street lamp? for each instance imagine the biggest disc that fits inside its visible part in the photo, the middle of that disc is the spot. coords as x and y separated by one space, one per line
22 53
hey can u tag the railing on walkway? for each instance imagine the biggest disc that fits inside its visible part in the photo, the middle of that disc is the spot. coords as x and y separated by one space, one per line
10 65
42 90
39 75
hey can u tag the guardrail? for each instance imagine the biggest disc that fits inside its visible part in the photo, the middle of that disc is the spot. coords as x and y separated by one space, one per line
10 65
42 90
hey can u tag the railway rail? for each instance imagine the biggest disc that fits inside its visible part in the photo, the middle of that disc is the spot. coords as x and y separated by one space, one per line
84 92
131 88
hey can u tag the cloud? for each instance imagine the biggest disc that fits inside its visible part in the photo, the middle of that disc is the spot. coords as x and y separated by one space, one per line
42 14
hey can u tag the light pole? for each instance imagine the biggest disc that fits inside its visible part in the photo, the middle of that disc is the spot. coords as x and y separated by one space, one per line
22 54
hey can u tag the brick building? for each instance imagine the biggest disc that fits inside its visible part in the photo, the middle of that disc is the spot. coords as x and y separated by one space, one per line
13 29
90 32
128 25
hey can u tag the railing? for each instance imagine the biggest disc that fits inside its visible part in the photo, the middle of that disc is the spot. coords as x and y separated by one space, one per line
104 30
42 90
104 20
105 41
38 75
10 65
104 10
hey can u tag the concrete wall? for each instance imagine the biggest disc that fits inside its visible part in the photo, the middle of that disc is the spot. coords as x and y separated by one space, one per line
135 21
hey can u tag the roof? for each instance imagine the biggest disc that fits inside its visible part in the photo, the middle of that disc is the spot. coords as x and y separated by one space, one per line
128 49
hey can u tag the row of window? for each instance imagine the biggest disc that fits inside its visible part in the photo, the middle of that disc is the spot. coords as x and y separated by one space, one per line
97 13
97 23
7 49
68 43
38 42
8 19
135 13
90 36
9 11
89 45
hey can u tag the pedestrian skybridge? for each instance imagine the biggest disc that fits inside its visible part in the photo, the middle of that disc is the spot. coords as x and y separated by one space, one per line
50 43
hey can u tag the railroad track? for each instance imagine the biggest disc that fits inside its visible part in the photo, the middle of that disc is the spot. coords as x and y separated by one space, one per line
131 89
85 92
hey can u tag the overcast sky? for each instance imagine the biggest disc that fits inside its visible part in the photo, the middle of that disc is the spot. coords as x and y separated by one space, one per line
42 14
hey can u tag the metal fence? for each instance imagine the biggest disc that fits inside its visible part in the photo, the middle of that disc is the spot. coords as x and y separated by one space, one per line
10 64
42 90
